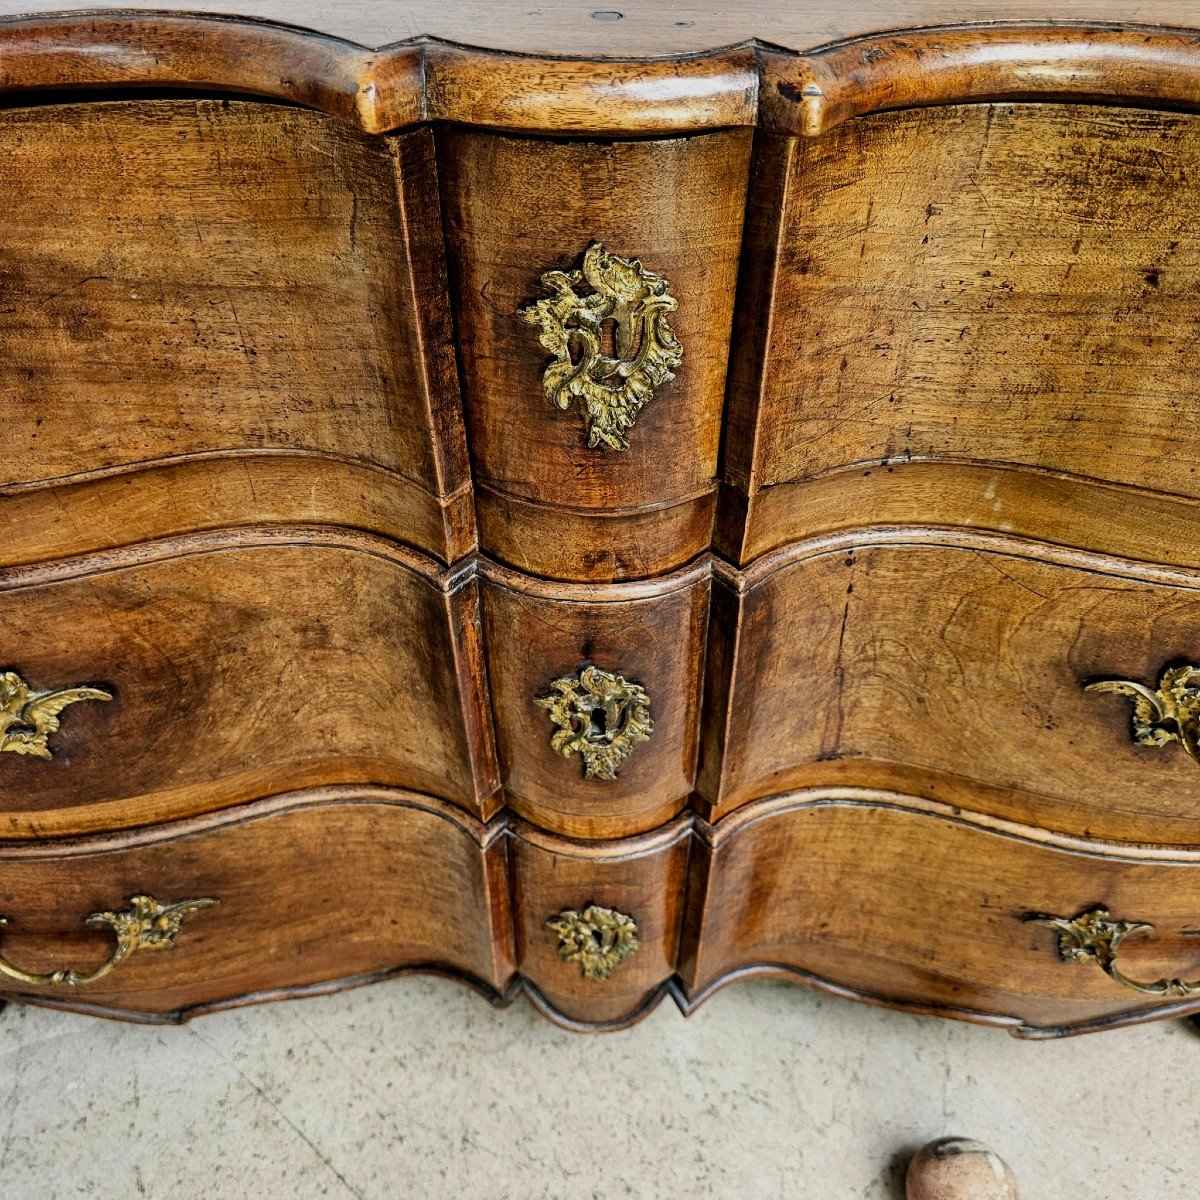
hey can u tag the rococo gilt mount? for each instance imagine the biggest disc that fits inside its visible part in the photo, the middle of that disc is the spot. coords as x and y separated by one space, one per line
602 509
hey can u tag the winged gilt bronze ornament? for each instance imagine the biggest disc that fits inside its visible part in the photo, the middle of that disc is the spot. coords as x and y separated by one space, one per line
608 304
28 718
1170 714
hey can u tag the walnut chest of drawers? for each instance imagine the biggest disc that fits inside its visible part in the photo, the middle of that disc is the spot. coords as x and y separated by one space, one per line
642 503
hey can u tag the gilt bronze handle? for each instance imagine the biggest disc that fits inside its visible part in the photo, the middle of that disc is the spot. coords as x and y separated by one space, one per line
1170 714
1094 936
144 925
28 718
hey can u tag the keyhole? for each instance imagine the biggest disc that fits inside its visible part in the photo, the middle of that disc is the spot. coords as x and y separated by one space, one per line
608 337
599 722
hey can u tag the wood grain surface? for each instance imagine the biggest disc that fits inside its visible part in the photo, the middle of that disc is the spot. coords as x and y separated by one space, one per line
647 28
996 309
248 299
242 665
642 878
335 889
954 671
263 361
537 634
827 890
581 71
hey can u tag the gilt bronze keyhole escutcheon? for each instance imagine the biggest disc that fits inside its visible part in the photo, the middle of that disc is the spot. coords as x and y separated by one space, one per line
600 716
597 938
606 326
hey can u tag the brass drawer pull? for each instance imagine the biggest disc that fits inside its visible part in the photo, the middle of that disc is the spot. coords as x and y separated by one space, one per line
596 938
144 925
1171 714
600 716
1094 936
613 387
27 718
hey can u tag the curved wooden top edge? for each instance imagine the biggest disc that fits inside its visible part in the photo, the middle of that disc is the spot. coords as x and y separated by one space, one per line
750 84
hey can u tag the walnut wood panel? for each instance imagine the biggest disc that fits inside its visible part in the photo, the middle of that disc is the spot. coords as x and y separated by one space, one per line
789 886
242 665
651 634
992 302
338 888
642 878
954 671
516 207
237 294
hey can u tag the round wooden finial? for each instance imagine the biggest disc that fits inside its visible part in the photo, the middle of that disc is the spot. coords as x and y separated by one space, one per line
959 1169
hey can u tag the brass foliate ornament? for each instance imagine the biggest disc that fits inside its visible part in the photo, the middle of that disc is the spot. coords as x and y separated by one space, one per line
144 925
1170 714
1094 936
598 939
609 303
600 716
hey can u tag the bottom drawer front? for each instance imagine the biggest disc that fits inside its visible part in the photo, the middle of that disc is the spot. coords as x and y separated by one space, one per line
904 904
303 897
598 925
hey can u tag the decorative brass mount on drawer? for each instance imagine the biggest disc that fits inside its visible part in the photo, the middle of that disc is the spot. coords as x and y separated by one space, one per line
144 925
623 301
597 938
1094 936
27 718
1171 714
599 715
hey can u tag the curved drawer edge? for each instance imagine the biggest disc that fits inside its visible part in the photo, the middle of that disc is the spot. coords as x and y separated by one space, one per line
205 493
302 992
671 989
735 822
39 838
1002 499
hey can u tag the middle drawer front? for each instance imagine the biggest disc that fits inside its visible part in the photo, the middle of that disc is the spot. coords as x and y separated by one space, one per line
234 666
959 671
596 693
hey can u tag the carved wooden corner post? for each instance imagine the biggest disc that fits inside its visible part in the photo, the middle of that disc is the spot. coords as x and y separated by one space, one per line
959 1169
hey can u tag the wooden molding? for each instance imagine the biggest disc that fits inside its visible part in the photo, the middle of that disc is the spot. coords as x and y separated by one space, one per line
427 79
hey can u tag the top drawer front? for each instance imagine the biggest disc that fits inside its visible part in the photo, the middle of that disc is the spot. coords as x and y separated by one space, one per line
517 208
996 309
226 286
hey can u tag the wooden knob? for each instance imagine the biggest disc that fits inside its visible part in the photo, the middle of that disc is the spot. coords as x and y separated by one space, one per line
959 1169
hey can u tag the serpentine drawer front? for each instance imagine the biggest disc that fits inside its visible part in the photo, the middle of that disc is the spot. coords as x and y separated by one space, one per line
599 516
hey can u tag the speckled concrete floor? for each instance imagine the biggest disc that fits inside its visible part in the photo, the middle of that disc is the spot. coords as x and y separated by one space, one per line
417 1088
